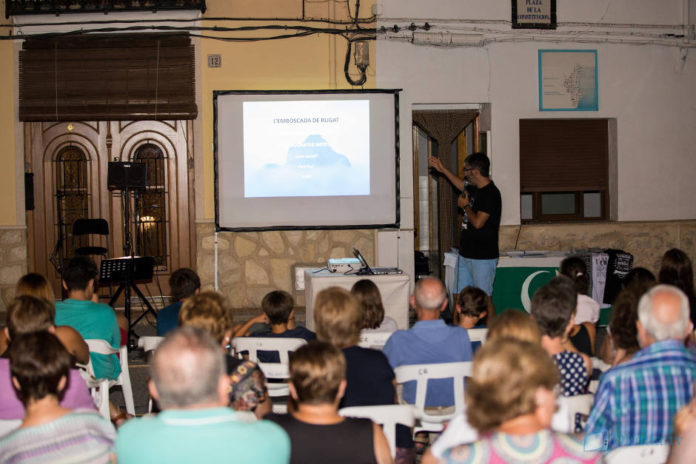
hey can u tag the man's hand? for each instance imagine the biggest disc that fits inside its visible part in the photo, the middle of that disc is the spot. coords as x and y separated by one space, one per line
436 164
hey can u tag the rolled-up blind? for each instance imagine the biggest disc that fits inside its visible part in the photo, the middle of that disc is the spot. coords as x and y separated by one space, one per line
563 155
110 77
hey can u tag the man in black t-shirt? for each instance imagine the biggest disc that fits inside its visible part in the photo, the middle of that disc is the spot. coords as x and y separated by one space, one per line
481 202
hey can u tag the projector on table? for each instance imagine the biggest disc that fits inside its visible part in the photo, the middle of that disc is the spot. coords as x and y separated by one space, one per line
343 264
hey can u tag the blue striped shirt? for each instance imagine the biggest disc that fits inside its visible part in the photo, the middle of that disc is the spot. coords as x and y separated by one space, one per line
636 401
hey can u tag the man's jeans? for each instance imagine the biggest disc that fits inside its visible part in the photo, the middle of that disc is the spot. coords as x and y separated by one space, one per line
476 272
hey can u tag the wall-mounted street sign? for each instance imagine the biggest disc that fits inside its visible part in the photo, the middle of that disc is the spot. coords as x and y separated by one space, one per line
533 14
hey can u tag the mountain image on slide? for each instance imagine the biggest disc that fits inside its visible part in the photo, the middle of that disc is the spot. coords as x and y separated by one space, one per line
311 168
314 151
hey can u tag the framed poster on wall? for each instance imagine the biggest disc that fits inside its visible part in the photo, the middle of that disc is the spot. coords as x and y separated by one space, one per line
568 80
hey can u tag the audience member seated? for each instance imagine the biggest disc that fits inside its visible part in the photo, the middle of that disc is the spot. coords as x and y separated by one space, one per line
583 333
370 300
27 314
278 311
471 309
90 319
369 377
318 434
248 392
50 432
183 283
510 401
621 340
33 284
188 380
636 401
676 269
510 324
553 308
429 341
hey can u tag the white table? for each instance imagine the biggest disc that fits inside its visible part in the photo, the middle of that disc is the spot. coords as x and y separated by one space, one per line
394 288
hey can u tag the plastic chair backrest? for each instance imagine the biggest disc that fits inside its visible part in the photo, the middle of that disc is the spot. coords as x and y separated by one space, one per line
572 405
477 335
252 345
97 345
421 373
374 340
149 343
639 454
387 416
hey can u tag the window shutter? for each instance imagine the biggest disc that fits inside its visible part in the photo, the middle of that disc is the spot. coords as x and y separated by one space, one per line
563 155
111 77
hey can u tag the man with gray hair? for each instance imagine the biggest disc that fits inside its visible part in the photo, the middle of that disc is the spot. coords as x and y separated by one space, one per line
636 401
189 381
429 341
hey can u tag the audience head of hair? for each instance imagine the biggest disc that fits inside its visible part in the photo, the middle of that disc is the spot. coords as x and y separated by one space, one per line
35 285
183 283
39 366
663 313
278 306
514 324
188 369
553 306
27 314
480 162
622 324
207 311
317 373
511 378
638 281
429 294
78 273
575 269
370 300
676 270
337 317
624 313
472 302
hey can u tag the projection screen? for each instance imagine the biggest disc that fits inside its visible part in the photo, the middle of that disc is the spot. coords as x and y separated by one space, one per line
306 159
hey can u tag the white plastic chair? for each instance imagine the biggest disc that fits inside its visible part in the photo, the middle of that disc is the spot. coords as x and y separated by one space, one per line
374 340
571 405
275 371
8 425
432 419
387 416
478 335
100 387
149 343
639 454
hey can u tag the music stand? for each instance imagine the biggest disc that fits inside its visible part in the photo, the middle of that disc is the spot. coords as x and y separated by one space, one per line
129 178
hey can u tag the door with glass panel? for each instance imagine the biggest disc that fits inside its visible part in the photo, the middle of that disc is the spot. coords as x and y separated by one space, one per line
69 162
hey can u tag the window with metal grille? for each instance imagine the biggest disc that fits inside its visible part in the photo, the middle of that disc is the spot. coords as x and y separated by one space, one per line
150 218
72 196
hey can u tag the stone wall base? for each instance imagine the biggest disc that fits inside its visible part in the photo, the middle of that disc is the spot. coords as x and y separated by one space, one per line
14 259
253 263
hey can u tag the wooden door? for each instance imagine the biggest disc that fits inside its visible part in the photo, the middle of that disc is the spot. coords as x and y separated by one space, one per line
70 163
